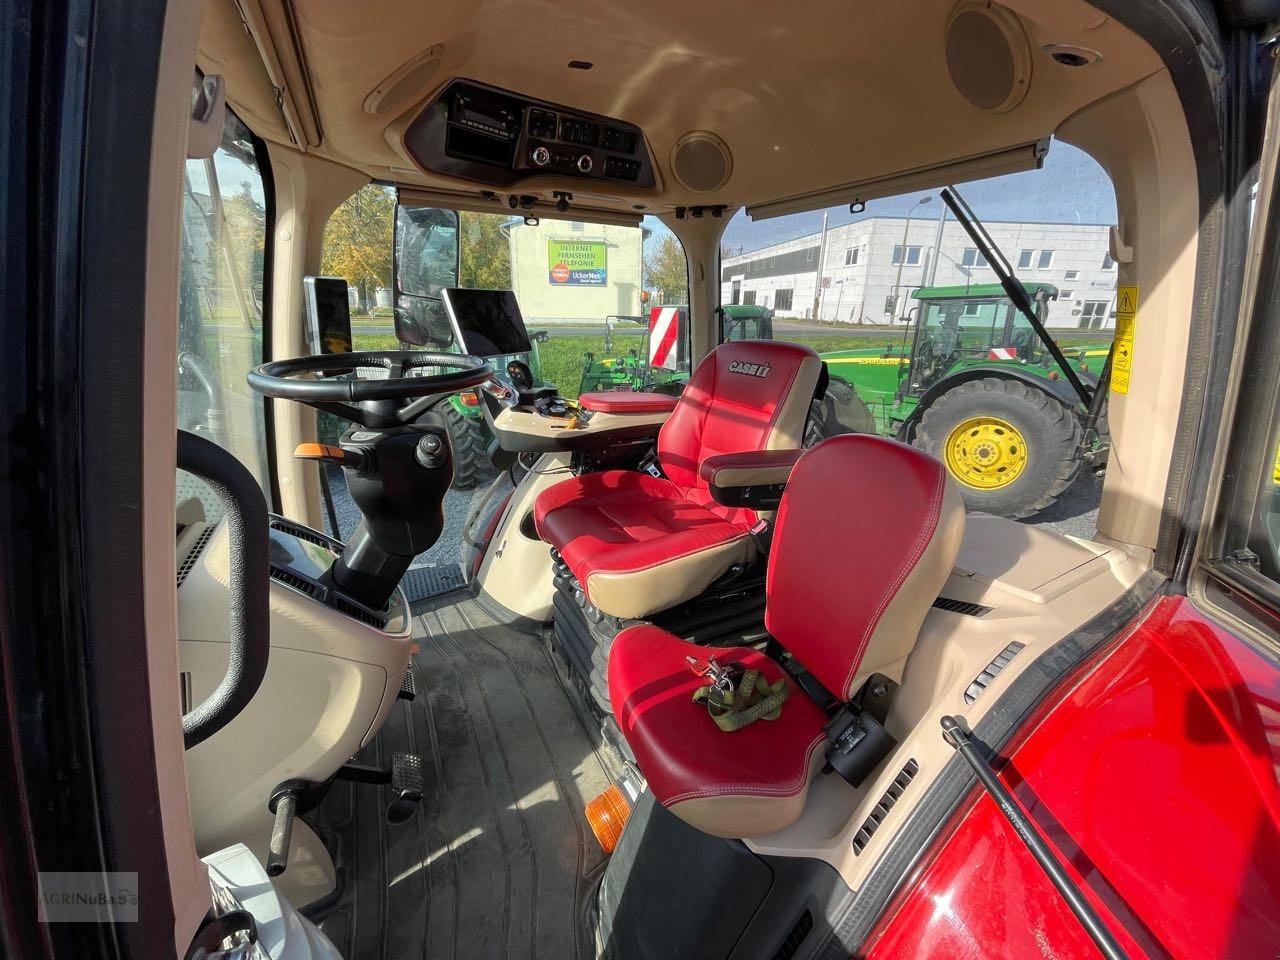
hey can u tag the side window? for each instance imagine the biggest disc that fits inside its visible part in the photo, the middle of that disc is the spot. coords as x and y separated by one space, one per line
221 304
918 312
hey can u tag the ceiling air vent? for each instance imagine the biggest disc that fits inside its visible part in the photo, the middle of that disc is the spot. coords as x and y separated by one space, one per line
872 823
189 561
961 606
992 671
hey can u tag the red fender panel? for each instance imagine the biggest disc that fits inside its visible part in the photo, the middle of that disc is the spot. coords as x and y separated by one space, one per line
1155 778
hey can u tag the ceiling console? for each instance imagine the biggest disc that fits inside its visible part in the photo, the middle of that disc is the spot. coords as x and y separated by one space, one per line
493 136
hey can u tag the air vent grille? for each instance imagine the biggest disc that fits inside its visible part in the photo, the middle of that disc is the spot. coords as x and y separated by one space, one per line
961 606
795 939
992 671
189 561
301 584
356 612
872 823
305 533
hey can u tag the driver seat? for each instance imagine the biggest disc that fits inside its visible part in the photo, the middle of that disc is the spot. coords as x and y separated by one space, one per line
639 543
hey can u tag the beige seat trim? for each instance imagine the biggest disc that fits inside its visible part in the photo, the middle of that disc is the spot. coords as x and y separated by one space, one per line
631 594
787 432
899 625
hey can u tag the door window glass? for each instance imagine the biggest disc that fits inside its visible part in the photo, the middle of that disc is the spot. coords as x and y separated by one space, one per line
221 305
919 311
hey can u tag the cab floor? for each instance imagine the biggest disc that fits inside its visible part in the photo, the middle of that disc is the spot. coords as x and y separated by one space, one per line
499 860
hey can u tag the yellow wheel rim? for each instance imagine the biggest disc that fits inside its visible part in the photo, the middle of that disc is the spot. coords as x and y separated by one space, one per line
986 452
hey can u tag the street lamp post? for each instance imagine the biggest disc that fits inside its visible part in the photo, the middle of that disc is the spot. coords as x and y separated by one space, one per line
897 283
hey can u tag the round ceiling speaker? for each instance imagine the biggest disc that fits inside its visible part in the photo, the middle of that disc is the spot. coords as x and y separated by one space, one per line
701 161
988 56
410 83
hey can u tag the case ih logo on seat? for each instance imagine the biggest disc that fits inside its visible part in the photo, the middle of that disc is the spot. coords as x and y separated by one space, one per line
749 369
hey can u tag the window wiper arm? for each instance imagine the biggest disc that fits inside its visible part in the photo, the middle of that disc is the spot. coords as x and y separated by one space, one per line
1013 287
956 732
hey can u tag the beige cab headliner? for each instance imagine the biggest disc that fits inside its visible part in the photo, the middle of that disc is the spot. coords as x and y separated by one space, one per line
807 97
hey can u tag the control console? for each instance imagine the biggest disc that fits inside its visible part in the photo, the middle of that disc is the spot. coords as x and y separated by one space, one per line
495 136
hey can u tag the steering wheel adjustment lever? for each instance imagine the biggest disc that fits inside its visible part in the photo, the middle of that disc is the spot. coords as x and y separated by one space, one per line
327 452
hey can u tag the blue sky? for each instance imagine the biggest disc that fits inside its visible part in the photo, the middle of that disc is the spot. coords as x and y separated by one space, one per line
1070 188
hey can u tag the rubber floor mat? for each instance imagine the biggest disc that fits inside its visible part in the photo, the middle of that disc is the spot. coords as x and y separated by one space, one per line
499 860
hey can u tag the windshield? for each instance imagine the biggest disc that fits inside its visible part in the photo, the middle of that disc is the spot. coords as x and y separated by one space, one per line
590 293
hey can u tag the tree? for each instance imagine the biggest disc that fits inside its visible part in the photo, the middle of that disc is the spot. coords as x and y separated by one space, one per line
358 238
665 270
486 252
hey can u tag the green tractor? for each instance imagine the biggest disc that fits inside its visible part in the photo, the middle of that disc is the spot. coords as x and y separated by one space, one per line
974 385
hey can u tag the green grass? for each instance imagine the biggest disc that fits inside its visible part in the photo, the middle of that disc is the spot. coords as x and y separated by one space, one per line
562 358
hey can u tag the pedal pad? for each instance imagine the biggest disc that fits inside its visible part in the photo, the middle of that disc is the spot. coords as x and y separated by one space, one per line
407 784
408 686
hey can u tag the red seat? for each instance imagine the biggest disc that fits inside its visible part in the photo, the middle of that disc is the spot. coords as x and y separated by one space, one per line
639 544
866 535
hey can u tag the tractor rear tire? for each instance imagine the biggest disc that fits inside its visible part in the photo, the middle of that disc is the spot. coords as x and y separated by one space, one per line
471 463
1050 432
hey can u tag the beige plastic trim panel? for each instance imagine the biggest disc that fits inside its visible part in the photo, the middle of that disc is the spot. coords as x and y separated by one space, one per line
188 877
307 190
329 685
555 428
516 571
1140 138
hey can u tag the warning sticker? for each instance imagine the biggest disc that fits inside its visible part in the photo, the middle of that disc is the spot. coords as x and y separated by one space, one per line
1126 327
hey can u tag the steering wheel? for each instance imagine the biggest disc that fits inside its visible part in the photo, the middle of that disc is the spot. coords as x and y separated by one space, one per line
398 398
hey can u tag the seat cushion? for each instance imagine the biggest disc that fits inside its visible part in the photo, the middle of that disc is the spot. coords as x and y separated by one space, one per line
635 542
748 783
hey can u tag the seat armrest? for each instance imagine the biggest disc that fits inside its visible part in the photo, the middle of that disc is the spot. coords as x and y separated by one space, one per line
752 479
623 402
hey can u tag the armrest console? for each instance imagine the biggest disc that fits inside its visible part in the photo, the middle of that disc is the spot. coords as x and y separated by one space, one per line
753 479
626 402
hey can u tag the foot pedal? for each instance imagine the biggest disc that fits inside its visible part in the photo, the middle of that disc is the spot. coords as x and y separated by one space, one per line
407 784
408 686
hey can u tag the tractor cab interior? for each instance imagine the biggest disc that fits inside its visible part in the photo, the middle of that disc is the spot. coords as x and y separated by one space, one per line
688 700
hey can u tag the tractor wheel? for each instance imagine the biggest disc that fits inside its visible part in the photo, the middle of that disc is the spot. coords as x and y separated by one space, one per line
1010 446
839 411
471 463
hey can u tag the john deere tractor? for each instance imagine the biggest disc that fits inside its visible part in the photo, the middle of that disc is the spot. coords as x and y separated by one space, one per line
974 385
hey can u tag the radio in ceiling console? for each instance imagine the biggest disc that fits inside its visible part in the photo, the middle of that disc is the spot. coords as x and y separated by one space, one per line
496 137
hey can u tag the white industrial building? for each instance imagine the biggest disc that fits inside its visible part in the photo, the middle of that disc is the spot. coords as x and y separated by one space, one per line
867 261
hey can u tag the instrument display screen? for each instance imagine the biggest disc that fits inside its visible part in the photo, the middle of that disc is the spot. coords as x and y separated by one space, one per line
488 323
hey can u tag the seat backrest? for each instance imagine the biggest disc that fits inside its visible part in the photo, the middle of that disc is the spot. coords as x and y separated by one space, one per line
743 396
866 535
